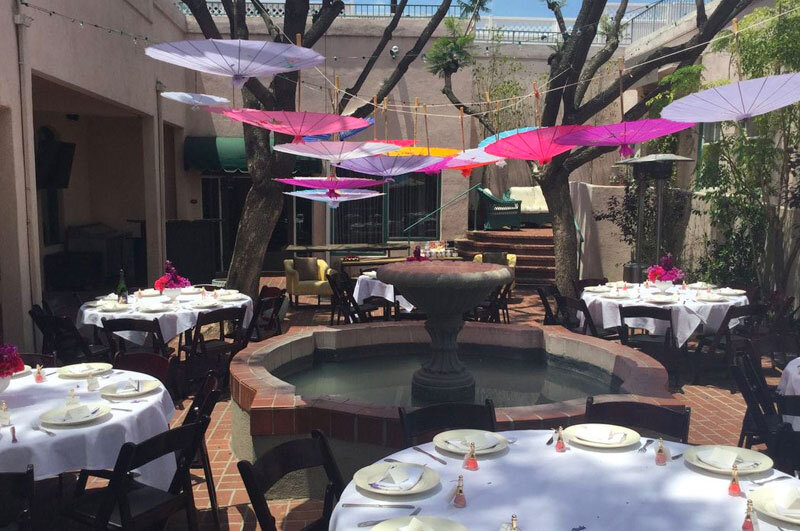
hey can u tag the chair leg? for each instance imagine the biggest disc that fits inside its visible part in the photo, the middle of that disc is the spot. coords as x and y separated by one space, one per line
212 491
319 300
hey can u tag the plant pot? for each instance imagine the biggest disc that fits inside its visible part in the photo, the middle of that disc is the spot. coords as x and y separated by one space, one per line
171 293
663 285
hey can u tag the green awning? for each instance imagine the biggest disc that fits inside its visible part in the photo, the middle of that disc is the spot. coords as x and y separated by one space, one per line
211 154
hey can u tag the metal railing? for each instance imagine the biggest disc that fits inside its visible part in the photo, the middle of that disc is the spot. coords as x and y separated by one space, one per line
276 10
434 212
658 16
523 36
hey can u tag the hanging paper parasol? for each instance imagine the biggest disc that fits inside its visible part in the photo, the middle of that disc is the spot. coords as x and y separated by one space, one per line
499 136
623 134
425 151
334 197
736 101
195 100
332 183
469 159
343 135
295 123
538 145
336 152
239 59
386 166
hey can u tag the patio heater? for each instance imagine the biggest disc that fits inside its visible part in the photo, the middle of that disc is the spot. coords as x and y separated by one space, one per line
658 167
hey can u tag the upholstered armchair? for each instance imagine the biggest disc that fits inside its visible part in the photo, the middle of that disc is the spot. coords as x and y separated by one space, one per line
506 259
304 277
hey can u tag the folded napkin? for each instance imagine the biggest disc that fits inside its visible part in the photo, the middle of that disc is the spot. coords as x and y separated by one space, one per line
700 285
787 501
110 297
401 476
482 441
80 368
370 274
718 457
77 413
150 292
416 525
129 386
190 290
599 434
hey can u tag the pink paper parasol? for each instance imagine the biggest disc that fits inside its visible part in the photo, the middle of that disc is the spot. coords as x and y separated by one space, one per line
239 59
332 182
538 144
386 166
469 159
334 197
295 123
336 152
736 101
623 134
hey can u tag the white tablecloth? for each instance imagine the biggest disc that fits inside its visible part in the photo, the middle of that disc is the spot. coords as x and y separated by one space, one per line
687 314
549 491
173 323
790 386
94 445
370 287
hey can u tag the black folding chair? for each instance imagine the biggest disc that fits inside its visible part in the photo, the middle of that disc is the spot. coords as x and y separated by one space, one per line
655 420
720 343
452 415
128 504
203 353
167 370
765 424
18 491
546 293
575 316
119 345
662 347
300 454
62 341
266 314
580 285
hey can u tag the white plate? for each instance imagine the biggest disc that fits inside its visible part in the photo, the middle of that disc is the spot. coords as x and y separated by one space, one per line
701 285
114 308
571 434
150 292
226 291
232 297
730 292
94 369
440 441
439 524
597 289
109 297
661 299
618 284
155 308
56 417
362 478
24 372
145 386
764 501
710 297
191 291
616 296
206 305
764 462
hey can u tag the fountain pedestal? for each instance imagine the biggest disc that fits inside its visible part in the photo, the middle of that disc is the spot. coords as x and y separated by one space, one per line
444 291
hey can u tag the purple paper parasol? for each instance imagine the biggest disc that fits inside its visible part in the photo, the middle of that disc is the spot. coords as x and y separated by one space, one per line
337 152
334 197
295 123
736 101
386 166
538 144
239 59
623 134
332 182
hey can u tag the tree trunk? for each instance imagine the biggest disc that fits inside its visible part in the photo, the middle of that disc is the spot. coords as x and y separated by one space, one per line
555 187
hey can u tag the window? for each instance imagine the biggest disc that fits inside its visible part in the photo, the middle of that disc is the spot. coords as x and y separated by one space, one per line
407 200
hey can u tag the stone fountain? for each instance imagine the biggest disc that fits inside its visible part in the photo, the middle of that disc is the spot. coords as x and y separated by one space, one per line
444 290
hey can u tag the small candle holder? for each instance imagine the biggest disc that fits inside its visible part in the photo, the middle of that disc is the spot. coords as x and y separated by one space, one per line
661 453
470 460
5 416
734 489
459 500
560 444
72 399
92 383
38 376
747 525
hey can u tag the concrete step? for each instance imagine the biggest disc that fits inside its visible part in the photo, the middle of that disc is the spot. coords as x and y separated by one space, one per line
471 246
524 236
522 259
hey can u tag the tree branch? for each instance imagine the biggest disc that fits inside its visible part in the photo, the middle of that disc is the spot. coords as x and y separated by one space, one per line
577 49
325 17
603 55
701 18
239 29
272 29
555 7
447 90
408 58
685 54
227 5
362 77
201 14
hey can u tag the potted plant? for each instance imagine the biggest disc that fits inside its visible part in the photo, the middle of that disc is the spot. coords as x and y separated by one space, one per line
664 274
10 364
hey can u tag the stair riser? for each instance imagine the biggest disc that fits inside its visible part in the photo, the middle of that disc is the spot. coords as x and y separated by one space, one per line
472 248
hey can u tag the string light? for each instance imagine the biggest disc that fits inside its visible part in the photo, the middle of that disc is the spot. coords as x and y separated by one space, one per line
111 31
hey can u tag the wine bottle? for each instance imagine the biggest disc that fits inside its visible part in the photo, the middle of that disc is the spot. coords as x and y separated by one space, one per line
122 288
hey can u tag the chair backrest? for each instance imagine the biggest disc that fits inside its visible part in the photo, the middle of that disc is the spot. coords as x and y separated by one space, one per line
670 423
61 338
147 326
645 312
270 300
451 415
545 294
749 359
154 365
572 310
205 399
342 286
298 454
18 493
232 316
752 312
750 389
579 285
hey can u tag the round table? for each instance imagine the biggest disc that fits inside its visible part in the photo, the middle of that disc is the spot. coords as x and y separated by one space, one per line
595 490
181 316
94 445
367 287
687 314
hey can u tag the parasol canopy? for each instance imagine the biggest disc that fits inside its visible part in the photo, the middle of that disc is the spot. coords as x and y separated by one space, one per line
623 134
336 152
334 197
196 100
331 183
425 151
494 138
469 159
295 123
538 144
386 166
736 101
236 58
343 135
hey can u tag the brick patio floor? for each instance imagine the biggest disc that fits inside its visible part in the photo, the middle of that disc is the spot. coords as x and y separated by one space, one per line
716 419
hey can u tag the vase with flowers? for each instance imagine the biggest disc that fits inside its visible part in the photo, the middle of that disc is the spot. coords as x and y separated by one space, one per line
664 274
170 283
10 364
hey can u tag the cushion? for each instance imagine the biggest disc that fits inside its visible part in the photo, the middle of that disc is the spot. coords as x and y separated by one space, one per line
495 258
307 268
532 198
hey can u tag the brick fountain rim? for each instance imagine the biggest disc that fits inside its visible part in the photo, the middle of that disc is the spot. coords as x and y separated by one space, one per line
274 409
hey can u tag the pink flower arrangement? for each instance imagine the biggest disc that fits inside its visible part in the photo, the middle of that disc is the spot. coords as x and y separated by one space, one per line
665 270
10 362
171 279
